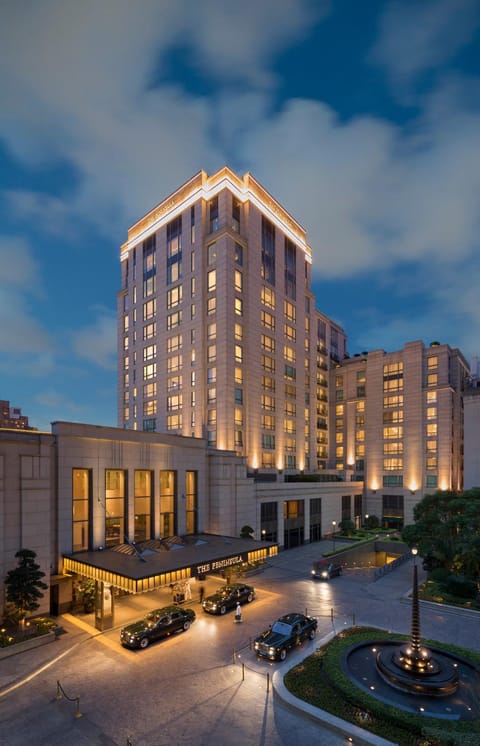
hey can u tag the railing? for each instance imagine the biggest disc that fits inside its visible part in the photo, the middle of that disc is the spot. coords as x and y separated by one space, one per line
385 569
61 692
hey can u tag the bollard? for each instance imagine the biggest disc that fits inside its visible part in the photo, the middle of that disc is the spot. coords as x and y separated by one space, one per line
268 682
243 671
78 714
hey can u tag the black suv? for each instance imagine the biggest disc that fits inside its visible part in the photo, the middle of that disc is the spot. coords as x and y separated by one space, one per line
227 597
157 623
291 629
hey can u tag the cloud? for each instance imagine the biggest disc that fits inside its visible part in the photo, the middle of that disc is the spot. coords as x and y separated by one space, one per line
97 342
20 282
419 35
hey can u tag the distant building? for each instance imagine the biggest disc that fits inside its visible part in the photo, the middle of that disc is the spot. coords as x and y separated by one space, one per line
397 424
471 407
12 417
218 334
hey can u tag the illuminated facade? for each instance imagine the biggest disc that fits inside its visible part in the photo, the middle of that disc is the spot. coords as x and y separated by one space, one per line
218 334
397 423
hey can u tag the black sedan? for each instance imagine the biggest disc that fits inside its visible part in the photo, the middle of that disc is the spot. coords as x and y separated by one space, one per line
227 597
324 570
158 623
291 629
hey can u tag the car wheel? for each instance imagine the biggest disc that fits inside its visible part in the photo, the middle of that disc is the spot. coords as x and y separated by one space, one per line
250 598
144 642
283 654
223 609
311 634
186 625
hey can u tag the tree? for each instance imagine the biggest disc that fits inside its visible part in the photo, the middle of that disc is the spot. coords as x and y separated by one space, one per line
446 531
347 527
24 583
246 532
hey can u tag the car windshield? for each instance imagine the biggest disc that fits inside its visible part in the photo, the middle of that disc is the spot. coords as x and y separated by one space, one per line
282 628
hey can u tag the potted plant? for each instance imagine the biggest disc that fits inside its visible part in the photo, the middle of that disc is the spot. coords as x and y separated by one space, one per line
88 591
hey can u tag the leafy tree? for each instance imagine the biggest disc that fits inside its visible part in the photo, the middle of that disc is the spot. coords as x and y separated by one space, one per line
372 521
246 532
446 531
24 584
347 527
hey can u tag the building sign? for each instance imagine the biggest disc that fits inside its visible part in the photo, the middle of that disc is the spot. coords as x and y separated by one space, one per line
219 564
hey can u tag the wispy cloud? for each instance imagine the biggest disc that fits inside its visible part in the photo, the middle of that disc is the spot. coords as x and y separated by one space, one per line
97 342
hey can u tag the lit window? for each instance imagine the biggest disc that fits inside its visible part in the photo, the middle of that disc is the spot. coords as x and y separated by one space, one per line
290 311
267 343
211 353
238 375
391 433
212 280
211 305
268 297
267 319
432 362
432 379
174 296
211 375
212 331
239 306
238 331
238 281
149 371
174 343
212 253
238 354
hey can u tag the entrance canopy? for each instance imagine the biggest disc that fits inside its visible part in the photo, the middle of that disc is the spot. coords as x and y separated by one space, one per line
137 568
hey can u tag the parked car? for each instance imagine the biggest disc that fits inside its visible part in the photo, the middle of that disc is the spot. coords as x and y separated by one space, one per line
291 629
227 597
324 570
156 624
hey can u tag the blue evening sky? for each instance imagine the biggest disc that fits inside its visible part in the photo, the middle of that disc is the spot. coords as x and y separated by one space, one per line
362 117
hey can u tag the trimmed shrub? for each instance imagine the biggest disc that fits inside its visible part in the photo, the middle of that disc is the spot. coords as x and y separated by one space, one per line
461 586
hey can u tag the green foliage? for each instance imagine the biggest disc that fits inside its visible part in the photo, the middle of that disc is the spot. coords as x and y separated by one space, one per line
447 531
88 591
24 584
461 586
439 574
347 527
372 522
246 532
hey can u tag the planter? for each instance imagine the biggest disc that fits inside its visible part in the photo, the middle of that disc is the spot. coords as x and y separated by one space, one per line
21 647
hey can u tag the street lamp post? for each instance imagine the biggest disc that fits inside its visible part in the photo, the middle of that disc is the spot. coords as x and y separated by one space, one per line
334 526
366 520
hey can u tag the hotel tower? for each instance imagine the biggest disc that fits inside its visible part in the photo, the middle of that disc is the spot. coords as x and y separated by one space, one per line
218 333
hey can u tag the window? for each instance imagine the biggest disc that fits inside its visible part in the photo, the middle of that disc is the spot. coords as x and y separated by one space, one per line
236 215
431 413
238 254
268 364
267 343
268 421
268 320
238 375
149 266
431 446
392 480
174 250
268 251
81 494
239 306
290 256
238 396
432 430
174 296
289 354
174 363
290 373
238 417
238 331
290 391
191 501
174 421
212 331
149 309
268 383
149 330
149 371
393 449
393 464
174 402
174 343
290 332
174 383
432 480
431 463
290 409
211 395
211 353
211 305
393 432
149 407
212 438
192 230
268 403
290 311
238 354
168 502
114 506
238 438
289 426
432 379
212 281
268 441
393 401
431 397
212 417
174 320
432 362
143 494
212 253
213 209
268 297
238 281
393 416
211 375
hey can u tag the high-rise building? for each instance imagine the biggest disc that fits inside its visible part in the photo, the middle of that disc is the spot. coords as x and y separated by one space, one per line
218 333
12 417
397 424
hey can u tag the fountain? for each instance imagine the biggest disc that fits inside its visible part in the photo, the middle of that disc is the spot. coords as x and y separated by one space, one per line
413 677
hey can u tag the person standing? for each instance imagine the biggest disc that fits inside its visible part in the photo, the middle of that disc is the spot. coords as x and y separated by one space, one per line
201 593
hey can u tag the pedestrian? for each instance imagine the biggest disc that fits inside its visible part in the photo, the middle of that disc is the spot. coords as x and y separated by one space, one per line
238 612
201 593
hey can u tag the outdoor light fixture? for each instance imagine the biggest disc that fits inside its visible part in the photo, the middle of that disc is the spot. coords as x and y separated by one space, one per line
334 525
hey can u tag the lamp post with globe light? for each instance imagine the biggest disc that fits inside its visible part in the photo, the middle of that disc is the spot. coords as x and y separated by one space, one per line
334 526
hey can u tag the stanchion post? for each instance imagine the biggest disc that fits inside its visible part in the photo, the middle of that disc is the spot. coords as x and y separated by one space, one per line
243 671
268 682
78 714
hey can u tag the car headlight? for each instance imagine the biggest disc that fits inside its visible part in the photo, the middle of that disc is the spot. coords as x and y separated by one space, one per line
272 651
324 574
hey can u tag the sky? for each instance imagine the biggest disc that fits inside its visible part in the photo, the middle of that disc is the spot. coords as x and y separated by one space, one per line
361 118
